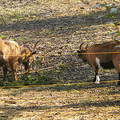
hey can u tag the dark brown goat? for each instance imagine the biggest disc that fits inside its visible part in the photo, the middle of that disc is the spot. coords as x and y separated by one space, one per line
102 55
11 54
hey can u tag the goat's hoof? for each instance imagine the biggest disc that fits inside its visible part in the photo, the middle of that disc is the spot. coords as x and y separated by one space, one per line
97 82
118 84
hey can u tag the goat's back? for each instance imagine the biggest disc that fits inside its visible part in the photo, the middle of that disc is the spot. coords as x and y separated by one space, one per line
104 47
9 50
104 51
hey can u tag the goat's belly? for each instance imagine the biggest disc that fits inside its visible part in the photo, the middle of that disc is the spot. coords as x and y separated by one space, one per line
108 65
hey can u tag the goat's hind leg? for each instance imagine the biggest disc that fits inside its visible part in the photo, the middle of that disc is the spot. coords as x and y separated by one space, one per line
4 72
97 78
116 63
14 70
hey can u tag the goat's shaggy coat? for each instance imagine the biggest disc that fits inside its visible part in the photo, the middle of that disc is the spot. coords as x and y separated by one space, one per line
11 54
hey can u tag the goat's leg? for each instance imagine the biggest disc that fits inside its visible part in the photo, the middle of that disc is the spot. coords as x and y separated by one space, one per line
15 75
14 70
116 63
97 78
4 72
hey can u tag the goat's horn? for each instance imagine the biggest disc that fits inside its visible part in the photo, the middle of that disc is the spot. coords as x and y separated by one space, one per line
28 48
81 46
35 46
86 46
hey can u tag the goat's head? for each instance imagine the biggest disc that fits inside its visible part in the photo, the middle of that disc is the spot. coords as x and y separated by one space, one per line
81 52
27 56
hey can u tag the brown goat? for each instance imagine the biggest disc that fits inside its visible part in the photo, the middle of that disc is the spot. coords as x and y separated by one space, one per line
11 54
101 55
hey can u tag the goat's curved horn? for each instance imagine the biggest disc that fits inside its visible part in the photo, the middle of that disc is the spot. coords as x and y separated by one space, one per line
28 48
86 46
81 46
35 46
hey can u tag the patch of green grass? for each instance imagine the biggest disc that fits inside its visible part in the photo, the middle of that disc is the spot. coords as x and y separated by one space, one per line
3 36
40 78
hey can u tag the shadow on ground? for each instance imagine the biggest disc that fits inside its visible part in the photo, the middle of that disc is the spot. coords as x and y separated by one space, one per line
60 25
15 111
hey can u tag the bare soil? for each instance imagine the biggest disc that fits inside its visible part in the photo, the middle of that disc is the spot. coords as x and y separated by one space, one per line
71 102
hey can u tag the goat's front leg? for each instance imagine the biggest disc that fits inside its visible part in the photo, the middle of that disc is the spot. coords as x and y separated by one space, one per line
15 75
97 78
14 70
4 72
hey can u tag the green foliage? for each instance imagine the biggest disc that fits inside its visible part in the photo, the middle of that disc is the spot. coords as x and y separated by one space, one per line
39 78
111 12
99 5
3 36
117 33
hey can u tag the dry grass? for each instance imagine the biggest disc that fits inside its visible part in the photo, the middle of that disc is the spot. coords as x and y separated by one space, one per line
73 102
